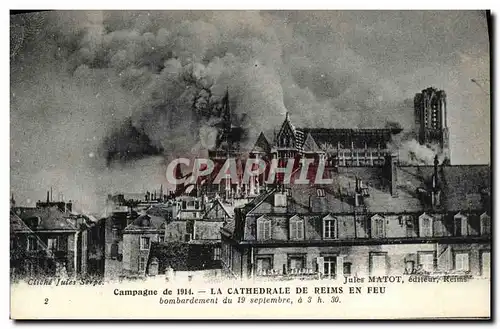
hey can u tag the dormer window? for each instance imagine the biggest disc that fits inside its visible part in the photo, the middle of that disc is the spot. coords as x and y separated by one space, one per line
425 225
296 228
320 192
460 225
485 223
146 221
378 227
263 228
330 226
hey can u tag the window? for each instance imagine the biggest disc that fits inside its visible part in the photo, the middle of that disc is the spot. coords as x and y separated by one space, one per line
347 268
320 192
330 266
296 228
426 261
409 267
52 244
142 264
115 233
425 225
227 255
461 261
378 227
485 224
217 252
378 263
485 263
161 238
144 243
459 225
30 269
264 264
279 199
263 229
296 263
32 243
184 203
114 250
330 228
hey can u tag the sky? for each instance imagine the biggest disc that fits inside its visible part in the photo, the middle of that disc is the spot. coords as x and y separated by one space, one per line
86 83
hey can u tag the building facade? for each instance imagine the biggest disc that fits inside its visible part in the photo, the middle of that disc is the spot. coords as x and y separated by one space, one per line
368 221
48 242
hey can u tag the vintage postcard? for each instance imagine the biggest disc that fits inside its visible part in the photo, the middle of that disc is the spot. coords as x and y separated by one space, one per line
250 165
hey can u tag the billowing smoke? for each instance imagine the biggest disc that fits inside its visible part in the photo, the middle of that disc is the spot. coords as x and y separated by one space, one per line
101 100
411 152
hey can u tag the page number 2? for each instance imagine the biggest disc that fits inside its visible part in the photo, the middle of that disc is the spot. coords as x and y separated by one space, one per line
46 301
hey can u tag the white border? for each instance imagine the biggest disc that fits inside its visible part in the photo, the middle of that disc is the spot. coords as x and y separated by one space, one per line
213 4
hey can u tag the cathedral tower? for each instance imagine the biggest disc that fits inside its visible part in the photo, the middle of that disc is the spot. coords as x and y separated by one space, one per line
430 119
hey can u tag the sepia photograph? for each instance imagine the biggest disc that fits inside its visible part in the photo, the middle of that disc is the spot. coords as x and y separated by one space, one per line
230 164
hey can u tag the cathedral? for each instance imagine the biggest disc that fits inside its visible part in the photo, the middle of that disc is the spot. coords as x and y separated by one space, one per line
341 147
332 147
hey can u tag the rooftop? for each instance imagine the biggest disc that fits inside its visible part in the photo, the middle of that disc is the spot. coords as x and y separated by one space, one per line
50 219
462 188
146 222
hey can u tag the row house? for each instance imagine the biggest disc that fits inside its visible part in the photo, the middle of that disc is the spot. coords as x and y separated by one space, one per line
387 220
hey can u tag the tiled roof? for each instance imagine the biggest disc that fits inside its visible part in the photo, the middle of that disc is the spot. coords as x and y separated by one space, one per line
146 223
461 189
17 225
51 219
159 211
462 186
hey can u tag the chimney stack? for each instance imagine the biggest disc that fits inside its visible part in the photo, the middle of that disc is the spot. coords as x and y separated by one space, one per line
435 178
393 167
48 197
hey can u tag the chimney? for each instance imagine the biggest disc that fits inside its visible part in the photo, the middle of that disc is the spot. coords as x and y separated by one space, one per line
48 197
435 176
393 174
358 200
435 193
